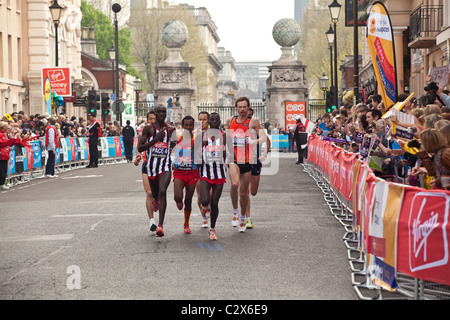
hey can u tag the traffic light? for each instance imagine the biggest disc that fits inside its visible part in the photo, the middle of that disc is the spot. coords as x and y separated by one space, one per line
92 101
106 106
330 101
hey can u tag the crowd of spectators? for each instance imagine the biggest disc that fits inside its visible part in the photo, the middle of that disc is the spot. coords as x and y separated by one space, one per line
34 125
422 159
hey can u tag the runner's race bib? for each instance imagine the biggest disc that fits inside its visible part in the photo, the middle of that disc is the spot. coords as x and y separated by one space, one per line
160 150
183 159
214 154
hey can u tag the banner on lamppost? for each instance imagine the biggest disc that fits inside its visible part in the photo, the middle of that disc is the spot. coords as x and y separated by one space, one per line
380 41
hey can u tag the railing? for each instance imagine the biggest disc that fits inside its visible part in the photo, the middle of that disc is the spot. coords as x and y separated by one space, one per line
382 269
315 109
426 21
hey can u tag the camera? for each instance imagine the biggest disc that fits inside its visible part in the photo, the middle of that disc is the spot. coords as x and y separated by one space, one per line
431 86
412 130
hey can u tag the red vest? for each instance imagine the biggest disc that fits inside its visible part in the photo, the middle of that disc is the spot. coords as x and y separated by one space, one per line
46 136
99 128
300 127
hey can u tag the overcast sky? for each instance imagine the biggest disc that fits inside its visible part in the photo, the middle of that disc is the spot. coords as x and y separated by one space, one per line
245 26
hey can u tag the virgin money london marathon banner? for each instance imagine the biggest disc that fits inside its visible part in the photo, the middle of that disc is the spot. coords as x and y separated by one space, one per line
380 41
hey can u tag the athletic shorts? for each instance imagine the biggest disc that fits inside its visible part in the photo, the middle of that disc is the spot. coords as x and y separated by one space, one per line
243 167
187 176
144 167
256 168
215 181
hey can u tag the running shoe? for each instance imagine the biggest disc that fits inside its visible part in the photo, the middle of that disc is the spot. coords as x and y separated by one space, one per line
212 235
180 205
235 221
159 232
242 225
154 205
249 224
204 222
187 230
152 225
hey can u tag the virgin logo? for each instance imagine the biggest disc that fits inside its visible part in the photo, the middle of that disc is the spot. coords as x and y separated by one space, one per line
427 228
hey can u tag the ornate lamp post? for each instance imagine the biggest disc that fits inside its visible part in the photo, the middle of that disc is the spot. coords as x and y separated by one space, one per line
330 38
137 88
323 82
335 9
112 56
55 10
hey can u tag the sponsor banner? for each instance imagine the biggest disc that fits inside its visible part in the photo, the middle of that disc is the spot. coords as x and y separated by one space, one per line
12 161
380 42
424 235
382 234
112 147
366 209
56 80
36 154
279 141
84 155
292 110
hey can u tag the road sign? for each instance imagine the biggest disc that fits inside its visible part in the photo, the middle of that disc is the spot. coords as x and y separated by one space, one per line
118 106
113 97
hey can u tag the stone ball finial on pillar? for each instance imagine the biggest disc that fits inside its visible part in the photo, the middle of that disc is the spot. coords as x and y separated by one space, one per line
174 34
286 33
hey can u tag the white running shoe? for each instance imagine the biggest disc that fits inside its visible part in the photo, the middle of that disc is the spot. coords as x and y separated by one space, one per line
204 222
242 225
4 187
235 221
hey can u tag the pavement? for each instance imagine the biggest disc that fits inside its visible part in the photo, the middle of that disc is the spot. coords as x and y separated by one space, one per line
84 235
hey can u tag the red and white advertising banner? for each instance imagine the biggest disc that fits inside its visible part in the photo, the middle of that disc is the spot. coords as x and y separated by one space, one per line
59 78
424 235
292 110
382 234
348 163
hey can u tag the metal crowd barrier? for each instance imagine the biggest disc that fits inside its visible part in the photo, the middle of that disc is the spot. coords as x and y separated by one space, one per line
28 163
341 209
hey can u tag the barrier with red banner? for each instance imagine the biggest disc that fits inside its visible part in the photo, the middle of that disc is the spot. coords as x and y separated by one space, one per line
401 228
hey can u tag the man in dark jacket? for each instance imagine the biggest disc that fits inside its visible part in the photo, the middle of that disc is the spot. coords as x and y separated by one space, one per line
301 138
94 130
128 138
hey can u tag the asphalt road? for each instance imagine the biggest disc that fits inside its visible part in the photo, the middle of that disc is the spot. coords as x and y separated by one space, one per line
84 235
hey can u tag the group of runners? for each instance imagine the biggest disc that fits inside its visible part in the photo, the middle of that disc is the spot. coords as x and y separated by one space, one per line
199 161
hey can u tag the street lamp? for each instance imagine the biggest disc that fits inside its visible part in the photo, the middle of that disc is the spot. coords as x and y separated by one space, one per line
330 38
335 9
55 10
137 87
116 9
323 82
112 56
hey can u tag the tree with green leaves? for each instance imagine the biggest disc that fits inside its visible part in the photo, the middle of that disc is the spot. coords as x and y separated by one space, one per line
105 36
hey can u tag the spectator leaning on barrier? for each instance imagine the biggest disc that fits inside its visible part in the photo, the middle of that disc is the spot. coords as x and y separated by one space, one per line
51 144
5 145
435 157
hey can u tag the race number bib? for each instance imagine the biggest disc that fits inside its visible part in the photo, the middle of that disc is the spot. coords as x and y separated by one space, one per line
214 154
184 159
239 140
160 150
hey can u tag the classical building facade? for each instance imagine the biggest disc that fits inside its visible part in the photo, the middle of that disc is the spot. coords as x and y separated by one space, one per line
27 44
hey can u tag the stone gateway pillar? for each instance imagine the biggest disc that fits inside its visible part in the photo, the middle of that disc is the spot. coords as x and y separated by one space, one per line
287 80
175 75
